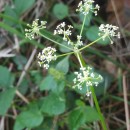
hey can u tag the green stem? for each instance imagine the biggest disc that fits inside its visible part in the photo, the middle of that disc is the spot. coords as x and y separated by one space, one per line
83 25
69 53
90 44
80 59
98 109
82 64
54 41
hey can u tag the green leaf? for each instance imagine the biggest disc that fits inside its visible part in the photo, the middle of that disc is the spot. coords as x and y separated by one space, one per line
82 115
24 86
6 98
36 76
23 5
63 65
47 124
90 114
48 83
60 11
92 35
59 88
58 75
53 104
79 103
30 118
76 119
64 49
6 78
101 89
10 12
20 61
82 91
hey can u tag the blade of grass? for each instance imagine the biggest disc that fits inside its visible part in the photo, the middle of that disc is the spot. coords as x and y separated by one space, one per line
118 98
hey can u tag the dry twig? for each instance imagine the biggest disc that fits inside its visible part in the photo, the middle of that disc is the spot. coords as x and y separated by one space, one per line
126 102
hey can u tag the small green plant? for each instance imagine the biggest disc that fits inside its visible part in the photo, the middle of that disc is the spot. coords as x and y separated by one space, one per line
85 77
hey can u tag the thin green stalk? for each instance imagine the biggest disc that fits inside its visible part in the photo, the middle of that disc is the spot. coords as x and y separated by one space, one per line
83 25
90 44
69 53
82 64
98 109
53 41
66 54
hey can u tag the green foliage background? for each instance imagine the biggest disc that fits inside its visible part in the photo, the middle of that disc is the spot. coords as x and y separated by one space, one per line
53 103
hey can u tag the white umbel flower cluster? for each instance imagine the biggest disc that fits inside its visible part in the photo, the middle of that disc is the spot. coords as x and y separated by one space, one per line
86 6
109 31
88 77
79 42
34 28
61 29
46 56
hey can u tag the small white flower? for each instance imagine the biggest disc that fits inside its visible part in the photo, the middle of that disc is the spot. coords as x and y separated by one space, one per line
97 7
96 84
46 66
88 77
108 31
46 56
88 93
34 29
79 42
63 24
86 7
92 75
61 29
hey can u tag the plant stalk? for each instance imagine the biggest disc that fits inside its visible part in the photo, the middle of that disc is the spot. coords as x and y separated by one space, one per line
98 109
54 41
82 64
